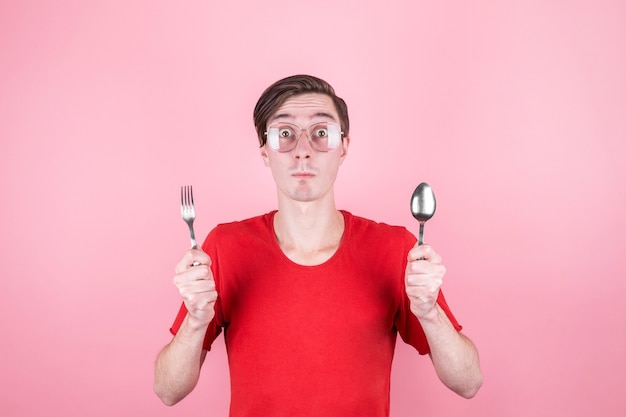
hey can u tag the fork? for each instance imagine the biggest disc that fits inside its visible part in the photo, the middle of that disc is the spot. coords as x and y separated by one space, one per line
188 212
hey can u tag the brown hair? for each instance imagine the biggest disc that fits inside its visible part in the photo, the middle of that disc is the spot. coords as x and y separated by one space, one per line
276 94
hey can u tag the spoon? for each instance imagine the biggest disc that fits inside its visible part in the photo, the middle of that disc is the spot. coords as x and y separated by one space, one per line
423 205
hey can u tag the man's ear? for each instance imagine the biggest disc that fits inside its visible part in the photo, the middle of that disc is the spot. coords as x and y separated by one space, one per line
345 144
264 156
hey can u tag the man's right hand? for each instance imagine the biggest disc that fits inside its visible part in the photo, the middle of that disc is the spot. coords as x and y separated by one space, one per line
196 286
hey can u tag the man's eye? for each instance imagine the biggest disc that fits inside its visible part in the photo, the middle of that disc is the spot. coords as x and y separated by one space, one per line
321 133
284 133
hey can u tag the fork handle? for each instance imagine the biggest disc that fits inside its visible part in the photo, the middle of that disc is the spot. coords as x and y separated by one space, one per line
194 244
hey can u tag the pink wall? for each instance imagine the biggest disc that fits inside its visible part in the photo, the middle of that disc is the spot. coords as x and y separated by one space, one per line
513 111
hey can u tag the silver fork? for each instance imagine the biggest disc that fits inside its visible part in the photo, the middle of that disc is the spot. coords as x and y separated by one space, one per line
188 212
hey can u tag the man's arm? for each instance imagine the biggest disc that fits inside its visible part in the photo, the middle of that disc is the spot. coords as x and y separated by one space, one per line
178 365
454 356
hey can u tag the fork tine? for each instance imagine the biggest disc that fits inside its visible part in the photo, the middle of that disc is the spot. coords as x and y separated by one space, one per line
183 200
188 211
184 197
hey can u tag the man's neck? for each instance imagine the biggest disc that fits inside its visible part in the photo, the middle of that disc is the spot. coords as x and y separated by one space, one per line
309 233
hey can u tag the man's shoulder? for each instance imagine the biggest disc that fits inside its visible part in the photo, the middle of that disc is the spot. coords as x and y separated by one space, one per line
364 224
260 222
370 232
381 241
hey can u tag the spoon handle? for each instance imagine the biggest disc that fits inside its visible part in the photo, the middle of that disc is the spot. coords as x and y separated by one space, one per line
420 239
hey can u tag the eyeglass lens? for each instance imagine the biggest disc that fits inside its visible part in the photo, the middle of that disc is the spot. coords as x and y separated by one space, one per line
324 137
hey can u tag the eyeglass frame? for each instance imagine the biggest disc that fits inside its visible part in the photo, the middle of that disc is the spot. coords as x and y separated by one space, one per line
298 132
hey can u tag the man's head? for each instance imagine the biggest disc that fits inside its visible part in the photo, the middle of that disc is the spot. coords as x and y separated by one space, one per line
276 94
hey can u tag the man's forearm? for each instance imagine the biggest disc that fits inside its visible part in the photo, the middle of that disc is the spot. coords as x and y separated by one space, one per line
178 364
454 356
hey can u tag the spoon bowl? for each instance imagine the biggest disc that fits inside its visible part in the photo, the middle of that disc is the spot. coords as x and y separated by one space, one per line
423 206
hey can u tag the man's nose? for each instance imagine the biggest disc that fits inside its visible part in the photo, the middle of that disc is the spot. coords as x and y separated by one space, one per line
303 147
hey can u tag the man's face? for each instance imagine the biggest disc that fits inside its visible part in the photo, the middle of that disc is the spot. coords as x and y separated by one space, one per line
305 174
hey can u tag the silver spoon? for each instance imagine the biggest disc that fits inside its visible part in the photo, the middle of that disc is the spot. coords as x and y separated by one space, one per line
423 205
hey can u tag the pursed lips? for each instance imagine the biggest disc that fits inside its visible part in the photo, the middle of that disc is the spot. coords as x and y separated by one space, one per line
302 174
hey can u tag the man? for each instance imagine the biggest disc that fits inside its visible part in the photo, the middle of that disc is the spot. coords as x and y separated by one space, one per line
310 297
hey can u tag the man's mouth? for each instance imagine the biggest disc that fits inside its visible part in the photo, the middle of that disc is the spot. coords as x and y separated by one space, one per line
302 174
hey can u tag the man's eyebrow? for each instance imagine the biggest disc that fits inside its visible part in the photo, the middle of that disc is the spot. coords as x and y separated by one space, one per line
318 114
324 114
280 116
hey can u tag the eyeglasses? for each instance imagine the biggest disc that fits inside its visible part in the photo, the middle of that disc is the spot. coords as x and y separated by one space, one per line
323 137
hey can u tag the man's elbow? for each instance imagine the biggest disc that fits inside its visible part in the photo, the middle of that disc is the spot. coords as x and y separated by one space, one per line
471 389
169 401
168 398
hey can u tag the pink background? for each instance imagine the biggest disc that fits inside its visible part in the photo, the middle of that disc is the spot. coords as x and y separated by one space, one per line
513 111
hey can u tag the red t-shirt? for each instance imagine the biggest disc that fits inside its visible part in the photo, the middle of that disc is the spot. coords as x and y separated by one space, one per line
311 340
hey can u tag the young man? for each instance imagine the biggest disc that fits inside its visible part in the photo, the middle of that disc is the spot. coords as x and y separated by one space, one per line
310 297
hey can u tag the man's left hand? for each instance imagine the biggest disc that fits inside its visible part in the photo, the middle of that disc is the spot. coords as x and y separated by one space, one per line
423 279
